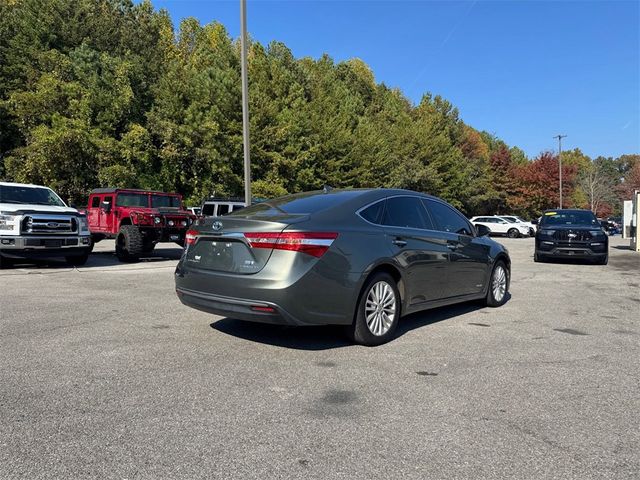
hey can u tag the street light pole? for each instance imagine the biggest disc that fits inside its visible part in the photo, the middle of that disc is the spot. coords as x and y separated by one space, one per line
245 102
560 137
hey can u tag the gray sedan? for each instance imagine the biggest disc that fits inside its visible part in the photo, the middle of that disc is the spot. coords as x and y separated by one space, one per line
359 258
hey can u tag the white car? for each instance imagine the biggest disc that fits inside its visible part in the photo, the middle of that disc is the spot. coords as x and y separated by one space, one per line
500 226
516 219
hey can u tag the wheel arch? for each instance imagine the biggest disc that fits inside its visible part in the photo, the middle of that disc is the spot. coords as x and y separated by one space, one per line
383 267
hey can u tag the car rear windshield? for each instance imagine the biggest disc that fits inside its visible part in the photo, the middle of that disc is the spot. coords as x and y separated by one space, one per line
30 195
569 218
165 201
297 204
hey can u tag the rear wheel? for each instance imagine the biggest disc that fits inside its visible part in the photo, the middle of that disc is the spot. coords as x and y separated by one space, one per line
498 285
378 311
129 243
513 233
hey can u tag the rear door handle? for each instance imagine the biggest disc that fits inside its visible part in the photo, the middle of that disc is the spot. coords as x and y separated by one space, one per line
399 242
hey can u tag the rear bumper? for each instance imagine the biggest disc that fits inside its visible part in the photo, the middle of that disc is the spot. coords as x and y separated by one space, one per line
241 309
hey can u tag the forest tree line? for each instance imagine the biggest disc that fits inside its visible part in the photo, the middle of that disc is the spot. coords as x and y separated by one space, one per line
97 93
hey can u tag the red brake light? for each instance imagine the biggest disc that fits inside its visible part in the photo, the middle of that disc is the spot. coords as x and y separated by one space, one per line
190 237
311 243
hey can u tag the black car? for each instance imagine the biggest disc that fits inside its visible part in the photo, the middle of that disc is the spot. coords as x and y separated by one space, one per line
571 234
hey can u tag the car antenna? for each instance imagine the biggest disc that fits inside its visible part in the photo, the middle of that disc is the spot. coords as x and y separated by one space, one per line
327 188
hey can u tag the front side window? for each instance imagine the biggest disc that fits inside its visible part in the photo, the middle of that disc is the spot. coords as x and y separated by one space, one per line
406 212
29 195
447 219
95 202
223 209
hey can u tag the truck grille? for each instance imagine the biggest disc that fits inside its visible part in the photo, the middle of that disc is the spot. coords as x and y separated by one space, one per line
50 224
572 235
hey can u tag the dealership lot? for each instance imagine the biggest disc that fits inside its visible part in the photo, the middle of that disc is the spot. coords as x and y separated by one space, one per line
104 374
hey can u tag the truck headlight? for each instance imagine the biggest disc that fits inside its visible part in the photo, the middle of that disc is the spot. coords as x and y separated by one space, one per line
156 220
170 223
84 226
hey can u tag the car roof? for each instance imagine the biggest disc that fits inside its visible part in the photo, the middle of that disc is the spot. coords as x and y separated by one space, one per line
133 190
28 185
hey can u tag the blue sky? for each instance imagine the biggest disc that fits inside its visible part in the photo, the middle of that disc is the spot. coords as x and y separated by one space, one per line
523 70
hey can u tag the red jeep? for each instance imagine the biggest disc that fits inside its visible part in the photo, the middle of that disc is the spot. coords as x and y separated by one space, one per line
137 219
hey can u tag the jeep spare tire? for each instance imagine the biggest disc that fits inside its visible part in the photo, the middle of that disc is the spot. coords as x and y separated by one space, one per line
129 243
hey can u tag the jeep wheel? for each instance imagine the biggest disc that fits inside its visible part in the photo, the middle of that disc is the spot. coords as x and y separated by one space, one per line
77 260
129 243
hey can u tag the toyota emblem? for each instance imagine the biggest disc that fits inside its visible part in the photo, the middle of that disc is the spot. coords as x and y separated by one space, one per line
217 225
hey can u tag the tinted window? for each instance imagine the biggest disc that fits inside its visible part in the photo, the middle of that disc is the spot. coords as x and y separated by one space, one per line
223 209
569 218
132 200
95 203
301 203
447 219
107 199
373 213
406 212
208 209
32 195
165 201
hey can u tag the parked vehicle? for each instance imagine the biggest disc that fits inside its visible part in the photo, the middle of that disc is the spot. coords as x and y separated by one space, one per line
360 258
137 219
500 226
520 220
571 234
36 223
217 206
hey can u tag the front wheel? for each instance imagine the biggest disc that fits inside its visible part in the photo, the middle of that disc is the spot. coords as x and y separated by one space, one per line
513 233
498 285
77 260
129 243
378 311
602 260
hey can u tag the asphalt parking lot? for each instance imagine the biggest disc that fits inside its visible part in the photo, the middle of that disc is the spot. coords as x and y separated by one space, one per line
104 374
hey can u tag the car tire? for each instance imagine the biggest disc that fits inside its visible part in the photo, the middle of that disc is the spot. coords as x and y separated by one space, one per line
129 243
4 262
77 260
379 298
498 288
513 233
602 260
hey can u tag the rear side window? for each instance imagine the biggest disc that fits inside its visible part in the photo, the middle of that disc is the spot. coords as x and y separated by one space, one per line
95 203
447 219
223 209
373 213
406 212
299 204
208 209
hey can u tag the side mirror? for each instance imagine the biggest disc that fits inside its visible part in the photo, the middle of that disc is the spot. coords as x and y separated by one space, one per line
482 230
106 206
534 221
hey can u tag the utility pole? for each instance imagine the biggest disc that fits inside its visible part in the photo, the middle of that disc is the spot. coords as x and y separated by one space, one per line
560 137
245 103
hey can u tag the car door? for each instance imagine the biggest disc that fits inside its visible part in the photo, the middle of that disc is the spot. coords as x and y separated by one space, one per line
417 247
499 225
93 213
106 218
468 256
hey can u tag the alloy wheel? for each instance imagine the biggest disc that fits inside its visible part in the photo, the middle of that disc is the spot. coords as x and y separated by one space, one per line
499 283
380 308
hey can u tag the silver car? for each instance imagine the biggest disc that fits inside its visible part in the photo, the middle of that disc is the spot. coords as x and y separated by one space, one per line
359 258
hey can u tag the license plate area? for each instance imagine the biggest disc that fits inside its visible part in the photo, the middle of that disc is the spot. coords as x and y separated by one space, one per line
223 255
53 243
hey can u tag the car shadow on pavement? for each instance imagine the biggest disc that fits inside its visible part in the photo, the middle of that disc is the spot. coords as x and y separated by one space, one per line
96 260
330 336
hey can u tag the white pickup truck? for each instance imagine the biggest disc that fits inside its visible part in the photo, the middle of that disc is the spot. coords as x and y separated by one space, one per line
36 223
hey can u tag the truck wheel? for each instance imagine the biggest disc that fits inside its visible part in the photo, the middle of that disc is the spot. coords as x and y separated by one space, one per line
77 260
513 233
129 243
4 262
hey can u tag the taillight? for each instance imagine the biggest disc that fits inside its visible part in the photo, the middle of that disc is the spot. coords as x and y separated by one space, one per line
190 237
311 243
